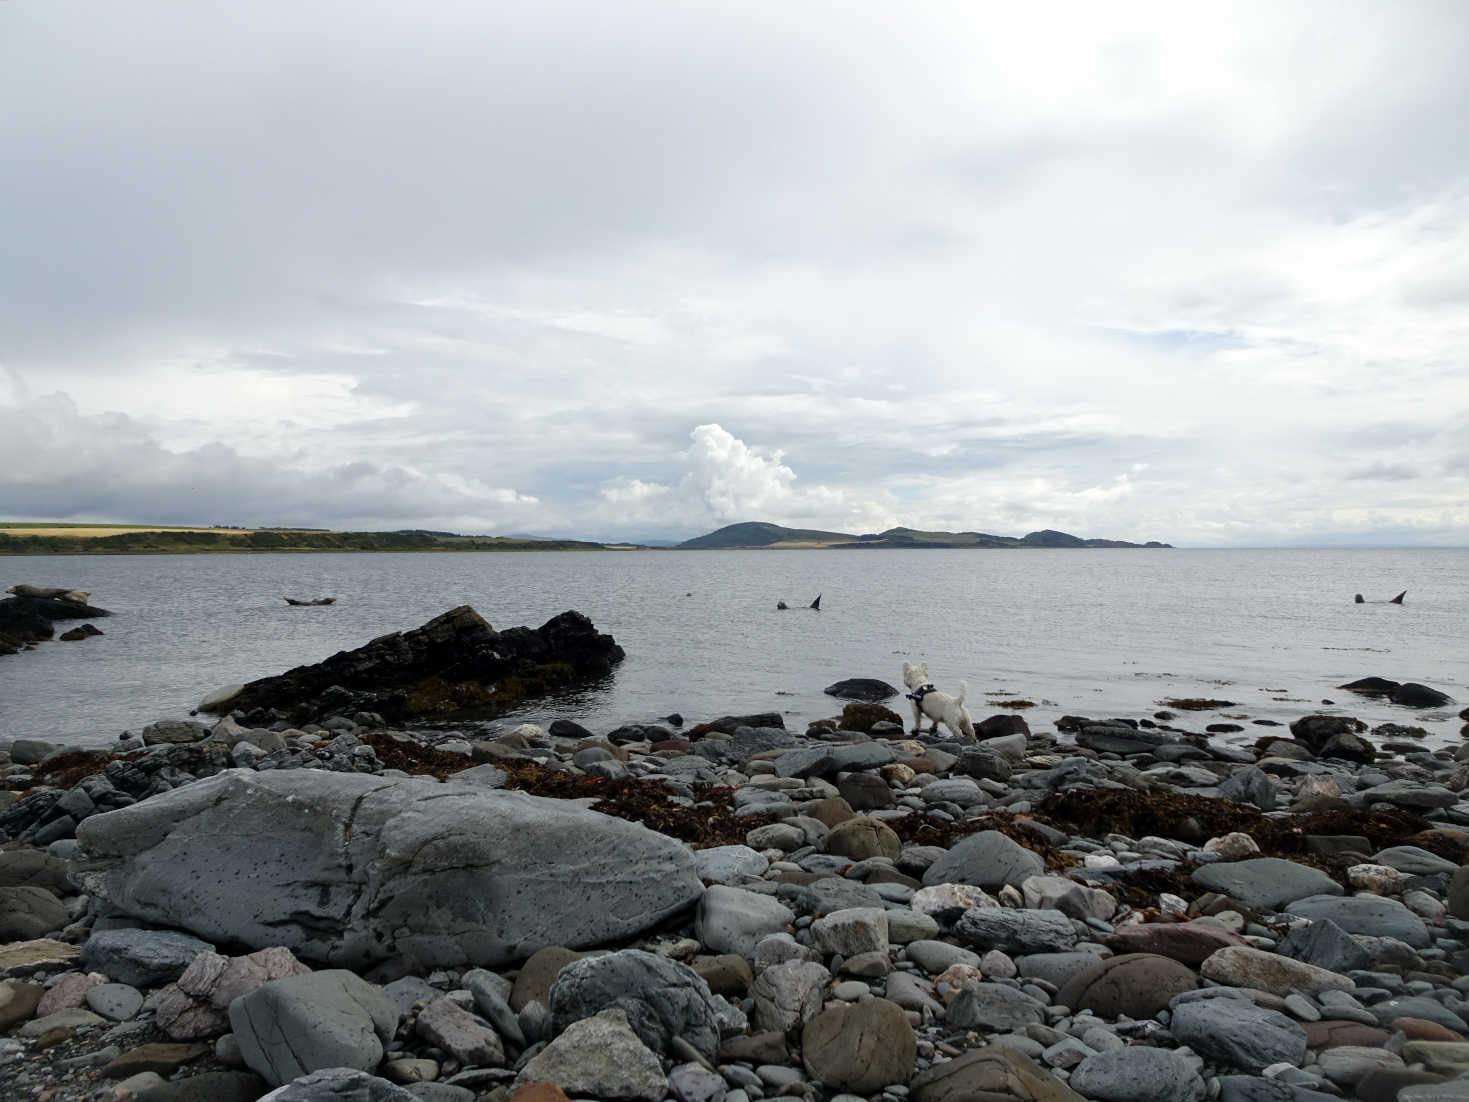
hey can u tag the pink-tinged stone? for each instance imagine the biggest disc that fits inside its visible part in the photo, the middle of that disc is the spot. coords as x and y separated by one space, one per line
1244 966
197 1005
1186 942
953 978
1420 1029
1334 1032
69 992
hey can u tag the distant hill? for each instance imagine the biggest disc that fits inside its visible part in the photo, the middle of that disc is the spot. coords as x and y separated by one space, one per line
757 534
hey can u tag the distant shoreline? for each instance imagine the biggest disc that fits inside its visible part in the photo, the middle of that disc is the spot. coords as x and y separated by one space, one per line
106 539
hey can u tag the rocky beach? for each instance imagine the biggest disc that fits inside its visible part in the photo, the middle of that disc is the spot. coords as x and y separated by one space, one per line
321 888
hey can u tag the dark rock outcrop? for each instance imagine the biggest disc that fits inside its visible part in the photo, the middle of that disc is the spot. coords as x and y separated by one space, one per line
28 619
455 663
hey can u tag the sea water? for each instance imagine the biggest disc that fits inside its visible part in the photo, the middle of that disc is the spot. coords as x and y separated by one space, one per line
1098 633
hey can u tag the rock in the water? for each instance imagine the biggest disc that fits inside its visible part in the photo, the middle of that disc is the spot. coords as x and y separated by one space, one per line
332 1019
861 688
351 868
454 663
1413 695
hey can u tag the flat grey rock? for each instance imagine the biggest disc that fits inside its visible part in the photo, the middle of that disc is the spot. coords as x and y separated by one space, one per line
988 859
350 868
1238 1034
141 958
994 1008
1014 931
1138 1074
733 920
312 1022
1365 914
1265 883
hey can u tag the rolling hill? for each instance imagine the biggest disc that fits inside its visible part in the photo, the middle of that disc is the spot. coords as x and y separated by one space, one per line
759 534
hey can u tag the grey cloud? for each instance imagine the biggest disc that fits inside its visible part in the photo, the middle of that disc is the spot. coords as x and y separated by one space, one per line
1383 472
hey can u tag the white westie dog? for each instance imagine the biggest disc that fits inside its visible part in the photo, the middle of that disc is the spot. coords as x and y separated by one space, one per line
937 706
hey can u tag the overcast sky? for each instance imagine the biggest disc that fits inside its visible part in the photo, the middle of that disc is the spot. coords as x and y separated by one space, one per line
1176 271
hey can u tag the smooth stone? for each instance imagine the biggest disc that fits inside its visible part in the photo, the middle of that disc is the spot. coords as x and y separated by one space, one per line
599 1057
1370 915
988 859
311 1022
860 1048
1135 984
1138 1074
116 1001
1264 883
1237 1033
1243 966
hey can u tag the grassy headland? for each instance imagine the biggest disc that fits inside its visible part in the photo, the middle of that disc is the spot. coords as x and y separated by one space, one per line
99 539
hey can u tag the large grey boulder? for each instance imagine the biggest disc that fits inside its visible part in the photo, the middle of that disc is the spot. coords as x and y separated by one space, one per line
333 1019
662 998
350 868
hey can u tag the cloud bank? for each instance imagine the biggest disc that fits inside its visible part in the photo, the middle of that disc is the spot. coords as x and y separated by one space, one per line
1140 272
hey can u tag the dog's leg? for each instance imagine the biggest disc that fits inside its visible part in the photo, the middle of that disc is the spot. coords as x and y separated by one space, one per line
917 718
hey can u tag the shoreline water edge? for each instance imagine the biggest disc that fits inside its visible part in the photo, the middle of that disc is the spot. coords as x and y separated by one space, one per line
318 895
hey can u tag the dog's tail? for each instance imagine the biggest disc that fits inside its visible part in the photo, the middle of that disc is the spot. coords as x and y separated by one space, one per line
963 692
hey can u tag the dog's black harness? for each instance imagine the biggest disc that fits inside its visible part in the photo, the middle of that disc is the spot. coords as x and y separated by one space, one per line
919 693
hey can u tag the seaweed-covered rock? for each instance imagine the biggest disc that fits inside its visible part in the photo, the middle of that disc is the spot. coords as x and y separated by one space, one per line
454 663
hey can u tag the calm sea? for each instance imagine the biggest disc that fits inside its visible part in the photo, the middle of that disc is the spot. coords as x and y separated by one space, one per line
1098 633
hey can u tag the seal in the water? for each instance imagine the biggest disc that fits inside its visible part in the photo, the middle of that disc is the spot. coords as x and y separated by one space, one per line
781 606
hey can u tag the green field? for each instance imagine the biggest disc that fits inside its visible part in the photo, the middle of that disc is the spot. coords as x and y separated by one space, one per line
111 539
